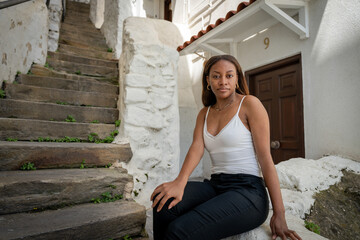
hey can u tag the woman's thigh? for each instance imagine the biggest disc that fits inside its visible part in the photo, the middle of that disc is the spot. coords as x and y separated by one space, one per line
195 193
227 214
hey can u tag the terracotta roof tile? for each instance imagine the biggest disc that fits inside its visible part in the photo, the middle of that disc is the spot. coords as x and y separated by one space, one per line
240 7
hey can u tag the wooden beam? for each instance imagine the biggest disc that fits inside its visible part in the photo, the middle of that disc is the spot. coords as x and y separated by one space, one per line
212 49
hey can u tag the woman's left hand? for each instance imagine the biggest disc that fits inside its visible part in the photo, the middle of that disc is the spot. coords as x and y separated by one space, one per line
279 228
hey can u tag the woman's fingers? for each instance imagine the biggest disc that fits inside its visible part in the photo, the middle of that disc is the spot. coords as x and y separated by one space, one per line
157 198
162 202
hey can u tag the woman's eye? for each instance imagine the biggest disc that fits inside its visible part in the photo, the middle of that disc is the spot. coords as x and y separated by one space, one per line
230 76
216 76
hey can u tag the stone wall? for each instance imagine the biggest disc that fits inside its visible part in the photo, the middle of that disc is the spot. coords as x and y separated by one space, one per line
149 102
55 15
23 39
115 14
97 9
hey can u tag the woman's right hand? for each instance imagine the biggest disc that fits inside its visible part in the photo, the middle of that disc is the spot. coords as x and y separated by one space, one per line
165 191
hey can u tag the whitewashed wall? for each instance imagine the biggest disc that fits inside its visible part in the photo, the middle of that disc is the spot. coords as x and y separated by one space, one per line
97 9
149 102
55 15
23 38
331 74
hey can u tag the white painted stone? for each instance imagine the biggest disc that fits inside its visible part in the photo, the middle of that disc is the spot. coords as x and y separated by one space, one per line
137 80
135 95
161 101
143 118
23 38
114 15
97 8
152 126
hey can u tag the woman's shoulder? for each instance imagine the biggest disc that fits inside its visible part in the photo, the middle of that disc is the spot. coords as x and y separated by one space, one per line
252 104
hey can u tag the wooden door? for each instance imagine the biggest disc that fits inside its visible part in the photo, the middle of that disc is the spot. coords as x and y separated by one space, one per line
167 10
279 88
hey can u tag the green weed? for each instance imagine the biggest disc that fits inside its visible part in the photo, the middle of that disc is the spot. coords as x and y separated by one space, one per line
62 103
9 139
46 65
107 197
2 93
117 123
78 72
109 165
28 166
109 50
82 164
18 73
112 186
127 237
136 193
70 119
29 72
95 121
312 227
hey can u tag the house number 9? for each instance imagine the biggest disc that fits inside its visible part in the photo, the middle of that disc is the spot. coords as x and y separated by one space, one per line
266 42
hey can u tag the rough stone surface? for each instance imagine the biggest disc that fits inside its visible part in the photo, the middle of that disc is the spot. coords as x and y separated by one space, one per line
10 108
30 129
149 103
97 8
86 85
25 190
87 221
24 36
336 210
55 14
40 94
115 14
61 155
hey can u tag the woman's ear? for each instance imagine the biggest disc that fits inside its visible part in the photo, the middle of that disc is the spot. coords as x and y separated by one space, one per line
207 80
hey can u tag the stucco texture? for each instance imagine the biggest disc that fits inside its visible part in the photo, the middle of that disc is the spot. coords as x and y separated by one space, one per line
24 37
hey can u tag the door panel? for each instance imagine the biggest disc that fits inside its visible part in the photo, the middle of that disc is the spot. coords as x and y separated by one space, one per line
279 88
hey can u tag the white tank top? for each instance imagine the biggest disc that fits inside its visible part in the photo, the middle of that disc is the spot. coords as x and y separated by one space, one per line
232 149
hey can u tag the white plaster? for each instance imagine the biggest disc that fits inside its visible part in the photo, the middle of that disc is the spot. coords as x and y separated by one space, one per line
114 15
135 95
55 14
24 38
148 67
97 9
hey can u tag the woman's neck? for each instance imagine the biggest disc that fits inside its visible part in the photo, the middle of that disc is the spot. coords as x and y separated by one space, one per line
224 103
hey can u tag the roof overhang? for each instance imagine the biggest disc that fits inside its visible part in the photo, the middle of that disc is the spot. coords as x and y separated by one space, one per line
259 15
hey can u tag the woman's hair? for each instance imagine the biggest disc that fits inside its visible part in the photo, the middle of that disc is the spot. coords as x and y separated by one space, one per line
208 97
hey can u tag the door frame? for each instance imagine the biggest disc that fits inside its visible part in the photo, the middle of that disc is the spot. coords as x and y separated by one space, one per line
249 75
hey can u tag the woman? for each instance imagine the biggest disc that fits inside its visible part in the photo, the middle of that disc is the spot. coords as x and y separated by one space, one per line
234 127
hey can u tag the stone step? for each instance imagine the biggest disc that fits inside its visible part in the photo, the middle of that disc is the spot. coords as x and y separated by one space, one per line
83 69
74 40
94 39
65 48
77 43
40 94
77 17
82 60
83 222
40 70
30 129
43 155
23 191
11 108
77 6
86 85
80 24
80 33
71 27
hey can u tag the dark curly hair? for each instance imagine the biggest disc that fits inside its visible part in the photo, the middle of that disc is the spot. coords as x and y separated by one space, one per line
208 97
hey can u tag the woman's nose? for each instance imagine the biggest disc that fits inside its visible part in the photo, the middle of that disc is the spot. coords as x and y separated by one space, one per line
223 80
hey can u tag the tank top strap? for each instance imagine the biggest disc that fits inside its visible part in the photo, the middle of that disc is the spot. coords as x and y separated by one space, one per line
240 105
207 112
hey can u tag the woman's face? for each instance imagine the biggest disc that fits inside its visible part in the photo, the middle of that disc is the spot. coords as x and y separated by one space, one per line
222 79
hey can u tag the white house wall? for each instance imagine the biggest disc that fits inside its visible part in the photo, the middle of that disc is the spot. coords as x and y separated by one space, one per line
330 74
24 38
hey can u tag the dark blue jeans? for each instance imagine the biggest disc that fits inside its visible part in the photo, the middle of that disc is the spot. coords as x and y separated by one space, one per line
227 205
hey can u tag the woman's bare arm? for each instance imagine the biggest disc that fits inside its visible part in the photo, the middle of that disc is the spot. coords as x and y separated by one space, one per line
259 125
175 189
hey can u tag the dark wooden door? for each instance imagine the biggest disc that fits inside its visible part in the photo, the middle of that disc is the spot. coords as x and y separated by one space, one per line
279 88
167 10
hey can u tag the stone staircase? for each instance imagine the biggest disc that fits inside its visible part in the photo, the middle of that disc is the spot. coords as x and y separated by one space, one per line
49 120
